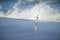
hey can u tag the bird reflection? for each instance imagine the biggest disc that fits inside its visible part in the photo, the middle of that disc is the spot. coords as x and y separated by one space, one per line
36 28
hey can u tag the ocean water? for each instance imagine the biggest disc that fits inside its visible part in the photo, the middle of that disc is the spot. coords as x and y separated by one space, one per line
18 22
22 29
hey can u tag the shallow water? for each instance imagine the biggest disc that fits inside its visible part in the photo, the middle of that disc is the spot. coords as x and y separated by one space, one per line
15 29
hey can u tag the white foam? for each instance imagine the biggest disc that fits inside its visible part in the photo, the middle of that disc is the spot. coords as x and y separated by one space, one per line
45 12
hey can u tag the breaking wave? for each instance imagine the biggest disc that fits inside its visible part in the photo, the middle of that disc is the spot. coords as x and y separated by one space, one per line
45 12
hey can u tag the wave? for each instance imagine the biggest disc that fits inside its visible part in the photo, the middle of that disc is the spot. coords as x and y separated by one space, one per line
43 10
